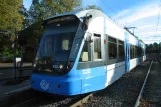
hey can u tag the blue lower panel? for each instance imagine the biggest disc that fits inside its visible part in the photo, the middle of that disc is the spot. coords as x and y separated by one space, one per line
93 79
93 84
62 85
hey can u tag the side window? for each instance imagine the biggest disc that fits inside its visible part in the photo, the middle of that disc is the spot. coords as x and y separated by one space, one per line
121 49
112 46
142 54
134 51
138 51
97 47
86 52
65 44
131 51
48 46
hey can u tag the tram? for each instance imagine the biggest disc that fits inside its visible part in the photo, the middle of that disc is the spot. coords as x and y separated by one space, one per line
83 51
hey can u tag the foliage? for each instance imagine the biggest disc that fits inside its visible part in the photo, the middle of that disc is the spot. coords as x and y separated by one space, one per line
42 10
93 7
10 19
10 22
153 48
26 20
9 53
46 8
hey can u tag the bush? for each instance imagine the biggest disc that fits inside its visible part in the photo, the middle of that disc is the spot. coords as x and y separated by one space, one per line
7 54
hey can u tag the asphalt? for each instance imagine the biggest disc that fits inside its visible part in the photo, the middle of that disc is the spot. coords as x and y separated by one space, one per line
7 71
7 74
10 80
11 66
8 88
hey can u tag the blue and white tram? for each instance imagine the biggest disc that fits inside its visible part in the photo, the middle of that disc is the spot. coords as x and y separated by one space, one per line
83 51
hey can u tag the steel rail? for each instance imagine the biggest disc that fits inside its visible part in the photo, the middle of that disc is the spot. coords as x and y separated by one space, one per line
82 101
141 91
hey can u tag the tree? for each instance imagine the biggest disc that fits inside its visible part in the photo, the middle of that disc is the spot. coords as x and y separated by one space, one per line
39 11
44 9
152 48
93 7
10 19
10 23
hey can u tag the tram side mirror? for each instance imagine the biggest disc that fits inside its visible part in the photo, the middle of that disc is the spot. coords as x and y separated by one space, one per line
86 21
84 25
89 38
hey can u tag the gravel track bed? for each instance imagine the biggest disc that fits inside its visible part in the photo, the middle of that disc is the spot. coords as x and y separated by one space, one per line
54 101
47 101
152 92
124 92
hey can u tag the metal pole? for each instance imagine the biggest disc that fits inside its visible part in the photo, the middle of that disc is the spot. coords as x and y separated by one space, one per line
21 63
14 53
22 49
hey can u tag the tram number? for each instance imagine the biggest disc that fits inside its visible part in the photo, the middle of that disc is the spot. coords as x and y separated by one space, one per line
87 71
55 66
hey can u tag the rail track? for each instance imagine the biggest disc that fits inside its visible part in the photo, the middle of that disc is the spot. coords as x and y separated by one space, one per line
125 91
85 99
129 84
150 95
143 86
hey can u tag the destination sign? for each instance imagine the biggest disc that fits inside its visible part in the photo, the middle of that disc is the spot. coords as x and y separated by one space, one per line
61 19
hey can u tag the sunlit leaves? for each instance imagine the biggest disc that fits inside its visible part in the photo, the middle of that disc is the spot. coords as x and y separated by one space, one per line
10 19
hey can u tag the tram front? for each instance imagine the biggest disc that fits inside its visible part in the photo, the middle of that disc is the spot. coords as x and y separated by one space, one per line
56 55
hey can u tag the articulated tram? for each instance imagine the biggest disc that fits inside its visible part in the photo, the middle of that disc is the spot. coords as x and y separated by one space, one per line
82 52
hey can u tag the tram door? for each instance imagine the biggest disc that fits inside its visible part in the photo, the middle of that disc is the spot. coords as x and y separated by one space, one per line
127 53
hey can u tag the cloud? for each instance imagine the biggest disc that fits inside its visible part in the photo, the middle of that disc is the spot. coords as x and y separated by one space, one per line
137 13
122 14
144 17
147 33
143 14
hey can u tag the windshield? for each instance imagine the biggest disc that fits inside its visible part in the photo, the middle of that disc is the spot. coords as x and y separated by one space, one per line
59 47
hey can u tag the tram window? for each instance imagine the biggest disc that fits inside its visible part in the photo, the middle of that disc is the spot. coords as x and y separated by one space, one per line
65 44
97 46
121 42
121 49
142 54
85 55
134 52
139 51
131 51
112 46
48 46
110 39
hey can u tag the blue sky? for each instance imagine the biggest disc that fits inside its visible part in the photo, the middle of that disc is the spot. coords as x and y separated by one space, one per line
142 14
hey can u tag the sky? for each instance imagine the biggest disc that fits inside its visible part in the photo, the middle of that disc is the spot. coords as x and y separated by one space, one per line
145 15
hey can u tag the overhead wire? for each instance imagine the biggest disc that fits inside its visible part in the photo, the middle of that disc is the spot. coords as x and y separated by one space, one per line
158 16
111 9
158 19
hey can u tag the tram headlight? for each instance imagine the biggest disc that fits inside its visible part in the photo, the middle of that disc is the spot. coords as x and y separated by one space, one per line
61 66
70 65
34 65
